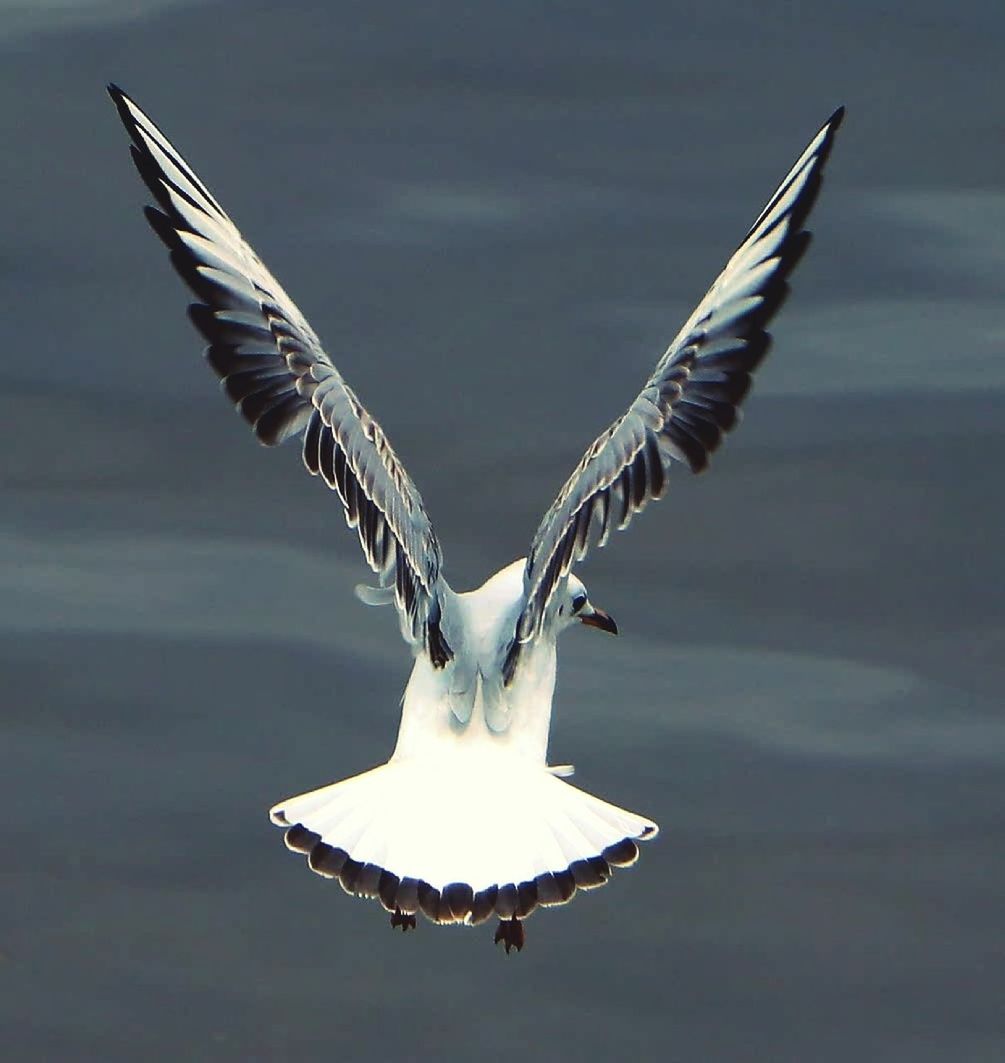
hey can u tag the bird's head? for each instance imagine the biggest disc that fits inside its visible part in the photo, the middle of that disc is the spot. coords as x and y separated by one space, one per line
574 606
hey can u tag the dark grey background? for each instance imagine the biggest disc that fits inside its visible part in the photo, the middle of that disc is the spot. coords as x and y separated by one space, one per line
496 216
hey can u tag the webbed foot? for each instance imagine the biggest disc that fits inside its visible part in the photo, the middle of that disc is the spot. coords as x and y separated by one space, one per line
405 921
511 933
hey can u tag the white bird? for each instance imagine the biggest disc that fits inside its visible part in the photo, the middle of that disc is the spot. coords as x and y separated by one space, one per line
466 820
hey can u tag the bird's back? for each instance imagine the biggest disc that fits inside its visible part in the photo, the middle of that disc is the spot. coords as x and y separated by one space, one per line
465 707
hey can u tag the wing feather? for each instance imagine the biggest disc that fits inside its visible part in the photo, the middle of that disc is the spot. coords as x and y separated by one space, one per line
273 368
689 402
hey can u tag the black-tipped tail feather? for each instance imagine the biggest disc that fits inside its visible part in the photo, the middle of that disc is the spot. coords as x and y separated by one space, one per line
458 902
517 838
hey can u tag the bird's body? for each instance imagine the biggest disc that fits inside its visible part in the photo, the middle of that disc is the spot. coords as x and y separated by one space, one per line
467 805
466 819
465 705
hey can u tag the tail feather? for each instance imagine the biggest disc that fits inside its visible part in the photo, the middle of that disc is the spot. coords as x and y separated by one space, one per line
348 825
574 840
461 838
596 820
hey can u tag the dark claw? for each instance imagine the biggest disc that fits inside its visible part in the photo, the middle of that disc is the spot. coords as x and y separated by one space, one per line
511 933
399 918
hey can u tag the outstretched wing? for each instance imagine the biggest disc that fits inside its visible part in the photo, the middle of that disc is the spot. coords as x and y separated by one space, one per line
273 367
691 399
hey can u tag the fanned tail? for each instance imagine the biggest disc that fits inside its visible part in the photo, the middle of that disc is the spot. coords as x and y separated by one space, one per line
462 838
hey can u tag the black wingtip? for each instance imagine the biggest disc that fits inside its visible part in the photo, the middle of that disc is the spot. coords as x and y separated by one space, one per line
119 97
122 101
836 118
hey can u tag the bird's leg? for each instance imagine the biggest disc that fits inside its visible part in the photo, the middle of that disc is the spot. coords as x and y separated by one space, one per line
511 933
399 918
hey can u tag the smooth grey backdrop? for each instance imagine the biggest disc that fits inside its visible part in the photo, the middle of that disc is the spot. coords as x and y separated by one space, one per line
496 215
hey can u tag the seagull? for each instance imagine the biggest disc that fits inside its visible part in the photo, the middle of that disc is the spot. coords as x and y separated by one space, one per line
467 821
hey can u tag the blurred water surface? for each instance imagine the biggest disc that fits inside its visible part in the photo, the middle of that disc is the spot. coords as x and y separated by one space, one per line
496 216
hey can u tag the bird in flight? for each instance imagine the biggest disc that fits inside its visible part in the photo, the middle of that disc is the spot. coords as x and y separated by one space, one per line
467 820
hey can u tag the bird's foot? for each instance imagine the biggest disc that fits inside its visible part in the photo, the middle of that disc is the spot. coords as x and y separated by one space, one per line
405 921
510 932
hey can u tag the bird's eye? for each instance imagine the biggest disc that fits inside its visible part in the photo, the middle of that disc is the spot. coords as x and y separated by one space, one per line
578 602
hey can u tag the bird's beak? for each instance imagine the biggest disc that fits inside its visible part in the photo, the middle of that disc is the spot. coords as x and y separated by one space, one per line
598 618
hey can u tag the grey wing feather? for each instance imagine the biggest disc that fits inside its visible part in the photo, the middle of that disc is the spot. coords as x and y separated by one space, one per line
273 367
688 403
